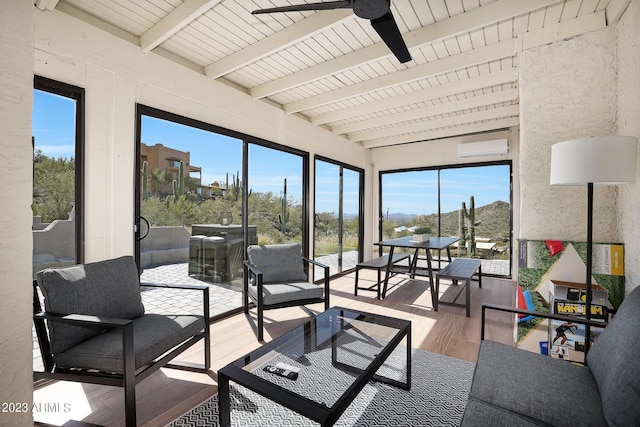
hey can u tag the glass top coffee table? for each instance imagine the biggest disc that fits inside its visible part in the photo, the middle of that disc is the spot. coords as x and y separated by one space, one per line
335 355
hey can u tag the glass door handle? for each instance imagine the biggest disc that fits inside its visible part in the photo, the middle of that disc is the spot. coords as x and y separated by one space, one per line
138 228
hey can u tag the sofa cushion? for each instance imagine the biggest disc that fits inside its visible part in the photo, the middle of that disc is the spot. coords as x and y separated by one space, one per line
536 387
614 360
108 288
153 335
479 413
279 263
275 293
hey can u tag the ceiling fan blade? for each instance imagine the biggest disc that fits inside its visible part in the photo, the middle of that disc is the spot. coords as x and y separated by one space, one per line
330 5
388 30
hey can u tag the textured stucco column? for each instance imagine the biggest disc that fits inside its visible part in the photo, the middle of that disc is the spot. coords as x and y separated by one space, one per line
628 30
16 93
568 90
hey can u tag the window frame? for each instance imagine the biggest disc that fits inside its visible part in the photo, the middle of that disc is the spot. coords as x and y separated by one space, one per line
439 169
78 95
361 212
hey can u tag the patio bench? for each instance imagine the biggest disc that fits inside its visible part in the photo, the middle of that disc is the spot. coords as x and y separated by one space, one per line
459 269
378 264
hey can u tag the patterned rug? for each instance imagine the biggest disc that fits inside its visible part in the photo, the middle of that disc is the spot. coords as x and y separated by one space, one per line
438 395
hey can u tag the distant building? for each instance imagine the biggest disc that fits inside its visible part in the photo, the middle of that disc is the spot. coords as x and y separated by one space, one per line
168 159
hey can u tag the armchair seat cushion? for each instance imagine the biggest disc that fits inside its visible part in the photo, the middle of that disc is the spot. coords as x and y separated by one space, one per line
280 292
541 389
153 335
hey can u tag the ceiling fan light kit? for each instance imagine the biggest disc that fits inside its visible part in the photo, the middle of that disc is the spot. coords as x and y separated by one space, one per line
376 11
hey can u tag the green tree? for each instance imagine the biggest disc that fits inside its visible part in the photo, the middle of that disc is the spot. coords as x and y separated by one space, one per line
53 186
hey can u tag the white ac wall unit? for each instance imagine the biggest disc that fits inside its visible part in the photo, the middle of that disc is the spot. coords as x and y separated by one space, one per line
483 148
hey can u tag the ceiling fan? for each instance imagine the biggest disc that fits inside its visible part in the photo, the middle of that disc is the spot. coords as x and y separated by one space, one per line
377 11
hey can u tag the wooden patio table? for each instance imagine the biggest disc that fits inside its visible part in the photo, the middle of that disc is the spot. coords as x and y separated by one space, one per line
437 243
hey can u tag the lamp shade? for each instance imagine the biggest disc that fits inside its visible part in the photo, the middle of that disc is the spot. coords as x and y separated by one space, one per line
605 160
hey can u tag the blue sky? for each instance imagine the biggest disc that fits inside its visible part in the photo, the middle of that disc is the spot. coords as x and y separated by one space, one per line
53 124
217 155
417 192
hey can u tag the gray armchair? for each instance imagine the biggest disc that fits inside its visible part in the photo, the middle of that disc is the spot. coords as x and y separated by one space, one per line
276 276
95 330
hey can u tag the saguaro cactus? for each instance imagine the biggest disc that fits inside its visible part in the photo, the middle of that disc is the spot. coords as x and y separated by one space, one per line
145 180
468 234
178 185
283 217
235 188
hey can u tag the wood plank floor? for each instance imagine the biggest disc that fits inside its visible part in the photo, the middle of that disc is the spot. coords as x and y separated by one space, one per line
169 393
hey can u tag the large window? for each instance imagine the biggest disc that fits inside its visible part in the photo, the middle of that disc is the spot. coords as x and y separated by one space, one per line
276 195
57 128
469 202
189 210
338 215
204 193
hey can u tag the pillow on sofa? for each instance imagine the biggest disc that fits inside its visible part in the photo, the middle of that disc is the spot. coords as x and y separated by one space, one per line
108 288
614 362
279 263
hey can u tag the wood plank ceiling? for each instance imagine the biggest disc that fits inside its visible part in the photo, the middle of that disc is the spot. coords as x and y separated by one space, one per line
331 67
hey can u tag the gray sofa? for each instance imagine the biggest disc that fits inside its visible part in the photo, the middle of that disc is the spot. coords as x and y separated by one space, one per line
514 387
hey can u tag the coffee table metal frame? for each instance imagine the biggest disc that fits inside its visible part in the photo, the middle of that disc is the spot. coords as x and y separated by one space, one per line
340 319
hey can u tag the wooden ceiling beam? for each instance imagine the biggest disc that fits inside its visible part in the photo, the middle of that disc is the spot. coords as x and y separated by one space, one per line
277 41
427 135
434 92
458 24
428 125
462 60
179 17
393 119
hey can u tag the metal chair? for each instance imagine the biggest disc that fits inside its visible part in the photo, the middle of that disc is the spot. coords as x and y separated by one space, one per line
94 328
276 276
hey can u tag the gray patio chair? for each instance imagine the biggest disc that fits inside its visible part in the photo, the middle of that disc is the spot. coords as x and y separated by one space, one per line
95 330
276 276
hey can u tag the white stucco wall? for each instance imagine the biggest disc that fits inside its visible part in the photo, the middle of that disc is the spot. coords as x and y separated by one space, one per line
115 75
628 30
16 93
568 90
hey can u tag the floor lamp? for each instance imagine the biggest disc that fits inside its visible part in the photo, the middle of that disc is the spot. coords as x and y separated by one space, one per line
605 160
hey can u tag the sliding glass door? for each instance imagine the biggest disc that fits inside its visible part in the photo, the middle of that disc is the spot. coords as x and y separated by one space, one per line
189 211
203 194
338 213
476 206
472 202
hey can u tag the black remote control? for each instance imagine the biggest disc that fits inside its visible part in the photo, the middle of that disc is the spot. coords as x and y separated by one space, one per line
282 372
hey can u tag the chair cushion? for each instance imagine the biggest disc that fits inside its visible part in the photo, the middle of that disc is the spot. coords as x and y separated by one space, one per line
275 293
153 335
614 360
536 387
108 288
279 263
481 414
